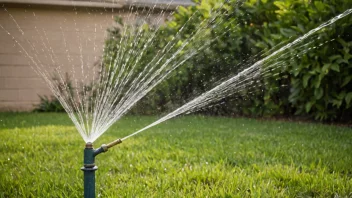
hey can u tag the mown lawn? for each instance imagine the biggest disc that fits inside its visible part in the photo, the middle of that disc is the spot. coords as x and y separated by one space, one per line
192 156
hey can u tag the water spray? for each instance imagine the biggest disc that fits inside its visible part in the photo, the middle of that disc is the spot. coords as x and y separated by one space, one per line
89 166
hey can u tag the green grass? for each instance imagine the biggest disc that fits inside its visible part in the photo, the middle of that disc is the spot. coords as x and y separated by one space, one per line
193 156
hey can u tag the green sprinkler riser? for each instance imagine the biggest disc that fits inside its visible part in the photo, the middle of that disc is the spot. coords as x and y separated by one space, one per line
89 169
89 182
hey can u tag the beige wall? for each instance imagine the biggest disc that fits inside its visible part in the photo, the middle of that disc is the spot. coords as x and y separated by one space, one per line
60 37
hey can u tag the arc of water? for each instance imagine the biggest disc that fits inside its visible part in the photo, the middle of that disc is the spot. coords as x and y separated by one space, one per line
139 88
221 91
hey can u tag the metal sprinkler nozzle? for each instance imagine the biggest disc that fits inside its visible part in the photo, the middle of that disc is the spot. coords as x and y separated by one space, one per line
105 147
116 142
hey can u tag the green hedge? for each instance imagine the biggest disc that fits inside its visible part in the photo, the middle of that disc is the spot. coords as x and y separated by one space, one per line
318 83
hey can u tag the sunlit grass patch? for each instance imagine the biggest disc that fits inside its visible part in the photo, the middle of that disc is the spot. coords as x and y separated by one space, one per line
193 156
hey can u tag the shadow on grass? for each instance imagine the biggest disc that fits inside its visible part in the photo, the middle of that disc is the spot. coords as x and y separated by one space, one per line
24 120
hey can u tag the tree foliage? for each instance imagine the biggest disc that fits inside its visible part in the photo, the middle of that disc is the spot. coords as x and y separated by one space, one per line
318 82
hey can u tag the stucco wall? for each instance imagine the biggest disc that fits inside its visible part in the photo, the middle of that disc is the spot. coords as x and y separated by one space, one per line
54 36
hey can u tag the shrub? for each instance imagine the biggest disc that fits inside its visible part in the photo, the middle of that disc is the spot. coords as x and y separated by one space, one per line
49 105
318 82
52 104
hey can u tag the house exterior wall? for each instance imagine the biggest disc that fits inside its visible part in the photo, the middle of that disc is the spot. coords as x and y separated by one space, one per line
73 36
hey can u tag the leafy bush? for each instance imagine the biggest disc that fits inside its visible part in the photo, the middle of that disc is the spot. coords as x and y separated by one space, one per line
49 105
318 83
319 80
52 104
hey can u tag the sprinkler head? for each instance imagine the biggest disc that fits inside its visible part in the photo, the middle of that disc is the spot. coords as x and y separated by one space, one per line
89 167
89 145
89 155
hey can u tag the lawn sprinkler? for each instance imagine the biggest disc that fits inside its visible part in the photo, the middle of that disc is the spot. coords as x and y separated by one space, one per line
89 167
